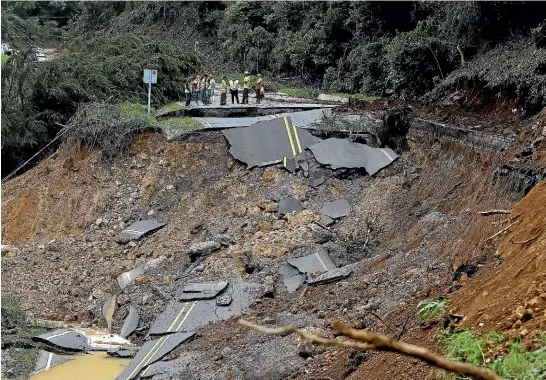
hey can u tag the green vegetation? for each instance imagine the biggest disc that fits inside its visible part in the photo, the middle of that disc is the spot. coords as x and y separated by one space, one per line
356 96
171 107
5 58
299 92
430 309
517 364
17 333
37 99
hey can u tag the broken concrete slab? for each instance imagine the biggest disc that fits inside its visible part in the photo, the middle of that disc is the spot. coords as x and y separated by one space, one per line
336 209
288 205
190 315
267 142
152 351
123 352
128 277
317 181
203 248
289 164
341 153
138 229
292 278
108 310
331 276
131 322
224 300
326 220
64 339
202 291
46 360
318 261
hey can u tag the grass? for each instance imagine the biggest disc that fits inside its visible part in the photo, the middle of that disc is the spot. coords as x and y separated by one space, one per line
5 58
299 92
171 107
431 309
140 112
517 364
355 96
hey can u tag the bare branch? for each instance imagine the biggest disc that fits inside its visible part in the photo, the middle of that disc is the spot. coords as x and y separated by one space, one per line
492 212
500 232
379 342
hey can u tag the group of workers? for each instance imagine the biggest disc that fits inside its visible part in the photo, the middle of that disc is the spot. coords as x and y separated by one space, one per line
204 88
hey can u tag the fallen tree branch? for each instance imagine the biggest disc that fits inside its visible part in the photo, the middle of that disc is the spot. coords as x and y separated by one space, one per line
492 212
500 232
528 240
384 343
379 342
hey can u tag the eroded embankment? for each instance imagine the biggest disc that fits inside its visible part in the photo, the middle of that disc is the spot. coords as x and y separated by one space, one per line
414 229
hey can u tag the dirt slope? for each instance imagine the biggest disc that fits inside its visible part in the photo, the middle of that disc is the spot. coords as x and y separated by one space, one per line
513 295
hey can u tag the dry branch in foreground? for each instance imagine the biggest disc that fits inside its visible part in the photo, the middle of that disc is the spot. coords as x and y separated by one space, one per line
371 341
492 212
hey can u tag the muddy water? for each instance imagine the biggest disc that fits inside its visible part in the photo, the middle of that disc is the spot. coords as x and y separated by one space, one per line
95 366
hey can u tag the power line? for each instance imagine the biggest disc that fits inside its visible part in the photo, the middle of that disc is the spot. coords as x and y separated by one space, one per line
62 132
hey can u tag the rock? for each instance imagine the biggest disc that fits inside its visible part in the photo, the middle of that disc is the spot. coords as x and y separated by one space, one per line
326 220
288 205
268 287
305 349
200 268
336 209
226 351
55 281
264 226
132 244
225 240
151 212
271 207
544 131
203 248
99 222
224 300
279 224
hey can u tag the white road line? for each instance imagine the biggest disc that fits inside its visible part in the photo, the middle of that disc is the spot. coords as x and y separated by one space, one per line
386 154
322 262
56 335
204 121
49 361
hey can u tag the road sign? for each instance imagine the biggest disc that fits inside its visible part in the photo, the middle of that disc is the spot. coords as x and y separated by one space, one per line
150 76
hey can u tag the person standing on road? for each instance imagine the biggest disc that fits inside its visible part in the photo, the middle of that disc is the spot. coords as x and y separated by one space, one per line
223 94
187 91
246 87
234 89
195 88
212 87
259 88
203 89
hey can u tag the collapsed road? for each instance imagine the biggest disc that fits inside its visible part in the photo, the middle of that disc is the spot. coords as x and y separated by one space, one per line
273 244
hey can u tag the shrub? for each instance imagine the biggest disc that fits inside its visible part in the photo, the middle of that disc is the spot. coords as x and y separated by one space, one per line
428 309
35 97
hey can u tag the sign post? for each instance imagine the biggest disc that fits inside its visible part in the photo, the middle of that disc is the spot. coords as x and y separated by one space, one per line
150 76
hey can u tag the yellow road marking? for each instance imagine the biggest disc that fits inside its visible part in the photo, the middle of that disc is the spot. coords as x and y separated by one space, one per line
289 136
161 340
297 137
186 316
284 161
175 330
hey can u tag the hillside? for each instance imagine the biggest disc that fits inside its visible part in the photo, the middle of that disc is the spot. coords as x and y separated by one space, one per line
405 200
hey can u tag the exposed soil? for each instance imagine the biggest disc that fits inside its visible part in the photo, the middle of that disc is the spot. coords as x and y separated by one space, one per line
414 231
